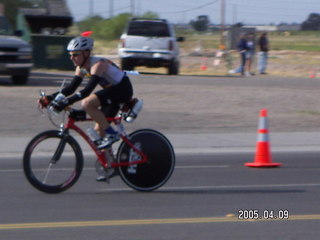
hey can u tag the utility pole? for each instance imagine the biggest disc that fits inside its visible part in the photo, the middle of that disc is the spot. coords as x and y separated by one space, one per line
132 7
91 8
235 11
138 12
110 8
222 27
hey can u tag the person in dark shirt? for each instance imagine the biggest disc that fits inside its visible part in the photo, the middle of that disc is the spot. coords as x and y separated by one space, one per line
242 49
263 44
250 52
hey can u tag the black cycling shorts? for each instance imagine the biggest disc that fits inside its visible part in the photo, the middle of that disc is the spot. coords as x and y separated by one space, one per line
115 95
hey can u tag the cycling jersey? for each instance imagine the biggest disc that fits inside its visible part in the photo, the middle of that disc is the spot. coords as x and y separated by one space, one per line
114 74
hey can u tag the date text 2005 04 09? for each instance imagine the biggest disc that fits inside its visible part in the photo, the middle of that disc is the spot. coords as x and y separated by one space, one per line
254 214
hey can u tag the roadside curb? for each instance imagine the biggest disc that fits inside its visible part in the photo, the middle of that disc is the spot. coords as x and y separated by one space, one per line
188 144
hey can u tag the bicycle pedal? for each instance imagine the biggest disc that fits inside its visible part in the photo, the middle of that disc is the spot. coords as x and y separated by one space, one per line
103 179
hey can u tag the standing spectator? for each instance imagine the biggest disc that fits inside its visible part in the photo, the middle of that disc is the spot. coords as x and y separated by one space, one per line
263 44
251 47
242 48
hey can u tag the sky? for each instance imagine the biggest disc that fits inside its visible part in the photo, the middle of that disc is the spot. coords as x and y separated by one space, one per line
183 11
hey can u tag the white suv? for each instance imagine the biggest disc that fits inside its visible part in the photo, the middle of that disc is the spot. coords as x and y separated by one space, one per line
150 43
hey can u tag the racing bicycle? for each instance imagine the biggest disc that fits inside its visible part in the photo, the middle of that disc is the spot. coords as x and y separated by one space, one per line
53 160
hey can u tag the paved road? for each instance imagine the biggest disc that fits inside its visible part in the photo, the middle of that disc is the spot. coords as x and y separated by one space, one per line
202 200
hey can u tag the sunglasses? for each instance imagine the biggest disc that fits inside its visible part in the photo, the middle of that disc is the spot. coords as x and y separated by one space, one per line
74 54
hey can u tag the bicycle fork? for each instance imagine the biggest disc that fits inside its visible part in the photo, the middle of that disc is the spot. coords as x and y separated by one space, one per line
57 155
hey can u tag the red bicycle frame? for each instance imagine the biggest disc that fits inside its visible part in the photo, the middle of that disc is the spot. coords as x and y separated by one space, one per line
101 153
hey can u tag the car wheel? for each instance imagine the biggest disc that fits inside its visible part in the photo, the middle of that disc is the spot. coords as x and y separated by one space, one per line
126 65
173 68
20 80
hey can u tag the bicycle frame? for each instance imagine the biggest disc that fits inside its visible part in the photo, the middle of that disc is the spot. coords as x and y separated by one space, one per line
71 124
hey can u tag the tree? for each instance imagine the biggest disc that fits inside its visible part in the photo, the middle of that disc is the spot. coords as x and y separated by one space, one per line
201 24
150 15
87 23
109 29
238 25
312 23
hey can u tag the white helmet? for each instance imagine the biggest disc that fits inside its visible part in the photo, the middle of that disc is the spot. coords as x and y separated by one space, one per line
80 44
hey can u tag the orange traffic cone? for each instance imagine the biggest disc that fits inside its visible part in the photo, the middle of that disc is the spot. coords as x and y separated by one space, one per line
263 156
204 63
312 74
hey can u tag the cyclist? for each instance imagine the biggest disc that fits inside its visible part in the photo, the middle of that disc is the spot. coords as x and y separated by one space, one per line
116 88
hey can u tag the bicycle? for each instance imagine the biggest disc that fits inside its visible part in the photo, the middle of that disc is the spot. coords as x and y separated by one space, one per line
53 160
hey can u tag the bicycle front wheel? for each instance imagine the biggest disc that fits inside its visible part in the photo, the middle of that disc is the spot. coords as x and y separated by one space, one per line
161 160
52 162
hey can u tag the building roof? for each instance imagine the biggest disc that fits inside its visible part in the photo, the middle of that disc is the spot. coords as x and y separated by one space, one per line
57 8
33 11
52 14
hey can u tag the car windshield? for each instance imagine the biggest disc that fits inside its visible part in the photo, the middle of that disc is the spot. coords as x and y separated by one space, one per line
5 28
148 29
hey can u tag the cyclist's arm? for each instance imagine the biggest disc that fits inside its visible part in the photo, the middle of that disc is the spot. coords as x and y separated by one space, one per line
94 80
85 92
72 86
96 73
67 91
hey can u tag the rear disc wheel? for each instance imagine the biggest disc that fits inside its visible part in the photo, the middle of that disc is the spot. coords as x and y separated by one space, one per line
161 160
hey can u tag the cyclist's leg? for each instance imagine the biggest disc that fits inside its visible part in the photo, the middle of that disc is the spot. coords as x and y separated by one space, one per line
104 174
120 93
110 110
91 105
110 100
112 97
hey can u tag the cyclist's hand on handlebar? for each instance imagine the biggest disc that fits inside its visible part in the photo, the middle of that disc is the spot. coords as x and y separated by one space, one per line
44 101
59 106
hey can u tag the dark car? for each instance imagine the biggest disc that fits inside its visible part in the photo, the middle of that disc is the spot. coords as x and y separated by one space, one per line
15 54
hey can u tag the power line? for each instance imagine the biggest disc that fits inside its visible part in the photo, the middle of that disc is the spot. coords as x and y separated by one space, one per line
241 10
118 10
192 9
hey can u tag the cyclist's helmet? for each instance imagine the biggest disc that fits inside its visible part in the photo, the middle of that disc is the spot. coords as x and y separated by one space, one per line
80 44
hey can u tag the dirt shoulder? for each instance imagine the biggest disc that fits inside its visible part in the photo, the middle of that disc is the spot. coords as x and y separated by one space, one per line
208 62
280 63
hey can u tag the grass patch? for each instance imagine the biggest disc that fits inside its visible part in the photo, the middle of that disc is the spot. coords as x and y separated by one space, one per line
308 112
296 40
